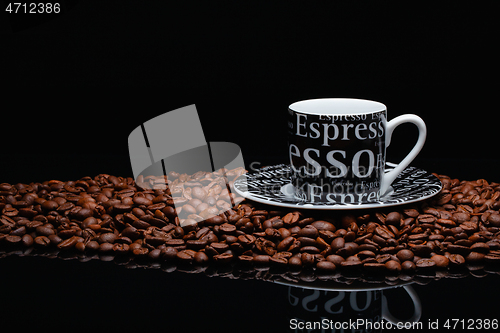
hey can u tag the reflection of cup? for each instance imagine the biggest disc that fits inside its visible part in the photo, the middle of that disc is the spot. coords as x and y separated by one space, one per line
174 142
312 310
337 149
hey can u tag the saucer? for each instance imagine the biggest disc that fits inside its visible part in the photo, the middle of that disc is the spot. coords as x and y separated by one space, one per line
272 185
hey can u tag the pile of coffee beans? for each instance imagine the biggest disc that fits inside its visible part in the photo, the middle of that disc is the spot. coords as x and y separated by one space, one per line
198 221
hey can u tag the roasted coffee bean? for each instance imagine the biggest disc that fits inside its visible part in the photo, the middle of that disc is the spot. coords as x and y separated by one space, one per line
492 258
220 247
337 244
223 258
19 231
169 253
494 219
246 240
201 258
365 254
68 243
278 260
272 233
463 250
261 259
404 255
140 200
107 238
474 257
425 263
153 254
384 233
411 212
408 266
42 241
393 266
49 205
92 246
131 232
325 265
291 218
310 249
328 236
421 249
321 243
393 218
80 247
284 232
186 256
27 240
13 239
349 249
44 230
351 264
67 233
480 247
307 259
196 244
55 239
323 225
308 231
105 247
227 228
306 241
426 218
440 260
214 220
295 262
232 239
295 246
368 247
456 259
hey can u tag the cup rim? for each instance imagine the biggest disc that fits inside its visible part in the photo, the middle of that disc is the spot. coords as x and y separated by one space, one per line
336 106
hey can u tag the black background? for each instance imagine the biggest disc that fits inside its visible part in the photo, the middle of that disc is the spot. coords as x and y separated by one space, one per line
74 84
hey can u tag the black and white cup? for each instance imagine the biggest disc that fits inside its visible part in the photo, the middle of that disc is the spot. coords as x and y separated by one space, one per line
337 149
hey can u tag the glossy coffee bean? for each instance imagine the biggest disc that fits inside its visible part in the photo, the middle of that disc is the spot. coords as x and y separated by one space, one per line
404 255
440 260
393 266
408 266
41 241
425 263
325 265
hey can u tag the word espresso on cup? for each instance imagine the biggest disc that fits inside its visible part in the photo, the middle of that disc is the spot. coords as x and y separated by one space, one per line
337 149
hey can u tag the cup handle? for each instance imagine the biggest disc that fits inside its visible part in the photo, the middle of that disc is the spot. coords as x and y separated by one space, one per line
417 312
389 177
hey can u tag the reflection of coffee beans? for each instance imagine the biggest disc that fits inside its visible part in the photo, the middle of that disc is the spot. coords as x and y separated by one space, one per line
114 216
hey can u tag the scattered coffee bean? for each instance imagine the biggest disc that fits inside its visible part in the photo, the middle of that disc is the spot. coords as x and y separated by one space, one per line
404 255
408 266
325 265
393 266
440 260
425 263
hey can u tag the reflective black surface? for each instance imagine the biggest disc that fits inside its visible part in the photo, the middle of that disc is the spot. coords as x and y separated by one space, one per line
103 295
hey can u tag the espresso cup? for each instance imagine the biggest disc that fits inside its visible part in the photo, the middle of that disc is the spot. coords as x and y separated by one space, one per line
337 149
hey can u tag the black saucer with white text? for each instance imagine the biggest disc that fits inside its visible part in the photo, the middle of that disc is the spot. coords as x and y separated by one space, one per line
272 185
